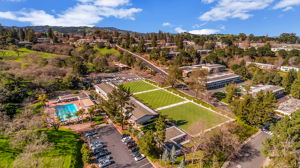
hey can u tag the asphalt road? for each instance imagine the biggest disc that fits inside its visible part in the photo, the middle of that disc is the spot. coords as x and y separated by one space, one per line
250 156
110 136
146 62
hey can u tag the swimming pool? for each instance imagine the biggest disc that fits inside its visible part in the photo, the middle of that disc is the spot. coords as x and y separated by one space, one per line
63 110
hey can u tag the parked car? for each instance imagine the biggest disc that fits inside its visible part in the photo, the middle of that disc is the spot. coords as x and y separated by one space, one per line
124 135
131 144
98 146
90 133
98 150
102 153
95 144
101 159
127 140
139 157
134 154
134 149
105 163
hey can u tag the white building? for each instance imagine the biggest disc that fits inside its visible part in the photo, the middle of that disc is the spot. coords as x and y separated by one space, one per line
222 79
277 91
261 65
288 68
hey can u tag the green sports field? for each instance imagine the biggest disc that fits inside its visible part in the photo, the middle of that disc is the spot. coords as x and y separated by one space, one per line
138 86
159 98
192 118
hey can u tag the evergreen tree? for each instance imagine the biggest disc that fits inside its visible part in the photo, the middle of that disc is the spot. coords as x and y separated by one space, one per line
147 144
160 127
166 156
288 80
173 155
295 88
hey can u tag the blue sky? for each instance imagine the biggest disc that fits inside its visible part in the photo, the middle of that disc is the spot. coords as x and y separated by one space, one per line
260 17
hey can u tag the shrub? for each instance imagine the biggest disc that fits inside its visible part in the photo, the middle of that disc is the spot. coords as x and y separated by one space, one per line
85 154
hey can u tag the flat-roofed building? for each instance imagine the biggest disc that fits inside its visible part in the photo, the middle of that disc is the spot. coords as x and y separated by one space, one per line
141 112
288 68
214 68
288 107
261 65
211 68
277 91
204 51
104 89
222 79
174 136
121 66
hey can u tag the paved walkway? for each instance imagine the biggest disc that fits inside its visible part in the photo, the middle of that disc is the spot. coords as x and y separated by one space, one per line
147 91
172 105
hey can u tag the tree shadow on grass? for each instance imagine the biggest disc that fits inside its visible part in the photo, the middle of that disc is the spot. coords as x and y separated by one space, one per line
179 122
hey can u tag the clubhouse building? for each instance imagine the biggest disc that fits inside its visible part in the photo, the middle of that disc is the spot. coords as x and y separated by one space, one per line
141 112
220 80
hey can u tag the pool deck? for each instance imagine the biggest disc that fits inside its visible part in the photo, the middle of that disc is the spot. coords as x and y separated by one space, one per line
50 107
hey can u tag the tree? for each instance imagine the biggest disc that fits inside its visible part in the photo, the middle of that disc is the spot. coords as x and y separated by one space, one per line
295 88
55 122
173 155
43 98
50 33
118 105
92 112
160 126
147 144
85 154
69 116
282 147
182 164
166 156
231 93
288 80
175 74
197 81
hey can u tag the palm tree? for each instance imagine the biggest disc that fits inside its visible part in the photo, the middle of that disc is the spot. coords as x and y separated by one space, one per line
92 112
69 116
79 113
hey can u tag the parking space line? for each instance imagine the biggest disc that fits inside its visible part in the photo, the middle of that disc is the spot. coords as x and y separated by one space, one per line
144 165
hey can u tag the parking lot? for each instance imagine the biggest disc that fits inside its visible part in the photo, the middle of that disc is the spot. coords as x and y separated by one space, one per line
119 152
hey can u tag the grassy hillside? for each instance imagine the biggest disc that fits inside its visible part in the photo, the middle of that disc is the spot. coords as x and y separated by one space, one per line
66 152
21 54
106 51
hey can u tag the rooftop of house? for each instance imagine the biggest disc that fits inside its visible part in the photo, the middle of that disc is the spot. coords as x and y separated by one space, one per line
288 107
258 88
140 110
87 102
213 66
173 133
106 87
221 76
72 96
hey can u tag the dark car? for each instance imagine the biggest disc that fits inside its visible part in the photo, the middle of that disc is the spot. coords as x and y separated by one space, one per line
98 150
102 153
90 133
134 149
124 135
130 145
105 163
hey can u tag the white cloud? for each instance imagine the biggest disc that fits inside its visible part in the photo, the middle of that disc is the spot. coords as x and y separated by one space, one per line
86 13
286 5
109 3
198 25
166 24
180 30
208 1
204 31
234 9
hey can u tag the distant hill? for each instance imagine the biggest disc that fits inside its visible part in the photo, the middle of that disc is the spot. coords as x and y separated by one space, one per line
76 30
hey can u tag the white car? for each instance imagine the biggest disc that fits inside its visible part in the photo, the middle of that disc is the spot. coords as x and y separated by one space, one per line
139 157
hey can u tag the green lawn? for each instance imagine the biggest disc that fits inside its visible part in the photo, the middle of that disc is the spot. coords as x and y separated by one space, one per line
18 56
66 152
138 86
192 118
105 51
159 98
7 155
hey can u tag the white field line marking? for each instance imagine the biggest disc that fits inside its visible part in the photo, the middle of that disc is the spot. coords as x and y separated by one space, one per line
147 91
209 129
193 102
172 105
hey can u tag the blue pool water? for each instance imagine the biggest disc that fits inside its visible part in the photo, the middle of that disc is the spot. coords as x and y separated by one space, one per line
63 110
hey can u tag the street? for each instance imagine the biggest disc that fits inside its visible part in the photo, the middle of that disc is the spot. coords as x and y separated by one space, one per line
249 155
